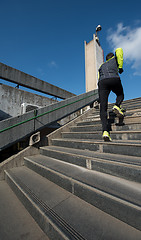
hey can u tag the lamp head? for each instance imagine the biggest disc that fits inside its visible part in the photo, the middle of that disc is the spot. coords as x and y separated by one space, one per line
98 28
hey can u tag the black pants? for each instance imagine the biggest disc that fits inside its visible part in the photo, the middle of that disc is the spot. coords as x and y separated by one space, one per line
105 86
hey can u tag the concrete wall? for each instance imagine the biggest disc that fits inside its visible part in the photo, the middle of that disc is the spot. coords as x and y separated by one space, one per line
11 99
14 129
93 60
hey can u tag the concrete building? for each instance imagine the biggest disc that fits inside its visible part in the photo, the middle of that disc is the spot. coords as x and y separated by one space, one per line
14 102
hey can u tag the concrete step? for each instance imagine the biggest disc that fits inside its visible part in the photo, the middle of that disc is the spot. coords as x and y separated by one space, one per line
118 197
128 107
63 215
115 135
129 104
121 166
86 128
105 156
129 113
98 127
127 120
116 147
86 122
133 100
15 221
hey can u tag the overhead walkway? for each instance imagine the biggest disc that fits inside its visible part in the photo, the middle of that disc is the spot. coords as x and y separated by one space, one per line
14 129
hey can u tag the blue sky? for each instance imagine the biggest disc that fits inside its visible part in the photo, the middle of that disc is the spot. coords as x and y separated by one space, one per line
46 39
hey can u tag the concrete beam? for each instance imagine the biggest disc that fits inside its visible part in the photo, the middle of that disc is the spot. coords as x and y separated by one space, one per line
14 129
15 76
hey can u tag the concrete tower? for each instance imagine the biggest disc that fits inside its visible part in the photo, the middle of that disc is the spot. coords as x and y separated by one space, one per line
94 57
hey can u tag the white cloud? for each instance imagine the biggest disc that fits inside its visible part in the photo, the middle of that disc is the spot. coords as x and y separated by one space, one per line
53 64
130 40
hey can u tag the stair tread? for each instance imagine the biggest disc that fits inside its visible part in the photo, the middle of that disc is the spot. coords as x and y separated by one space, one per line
118 136
125 118
115 186
112 132
124 167
15 221
94 154
87 220
91 125
124 147
98 127
94 141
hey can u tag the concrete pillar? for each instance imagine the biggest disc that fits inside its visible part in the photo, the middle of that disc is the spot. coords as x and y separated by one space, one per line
93 59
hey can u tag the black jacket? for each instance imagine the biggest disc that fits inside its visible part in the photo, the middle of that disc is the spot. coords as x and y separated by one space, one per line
109 69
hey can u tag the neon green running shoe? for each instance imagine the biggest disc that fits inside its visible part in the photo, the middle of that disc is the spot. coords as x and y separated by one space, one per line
118 111
106 137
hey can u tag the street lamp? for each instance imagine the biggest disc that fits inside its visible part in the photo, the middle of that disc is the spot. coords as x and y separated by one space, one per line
98 28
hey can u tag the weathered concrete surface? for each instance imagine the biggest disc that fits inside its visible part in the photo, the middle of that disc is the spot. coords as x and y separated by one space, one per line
17 159
11 99
100 205
15 221
61 214
15 76
34 121
93 60
58 132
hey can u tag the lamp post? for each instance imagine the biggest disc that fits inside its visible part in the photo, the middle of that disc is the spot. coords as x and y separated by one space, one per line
98 28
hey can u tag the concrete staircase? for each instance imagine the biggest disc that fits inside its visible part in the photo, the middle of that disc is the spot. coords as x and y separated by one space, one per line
79 187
